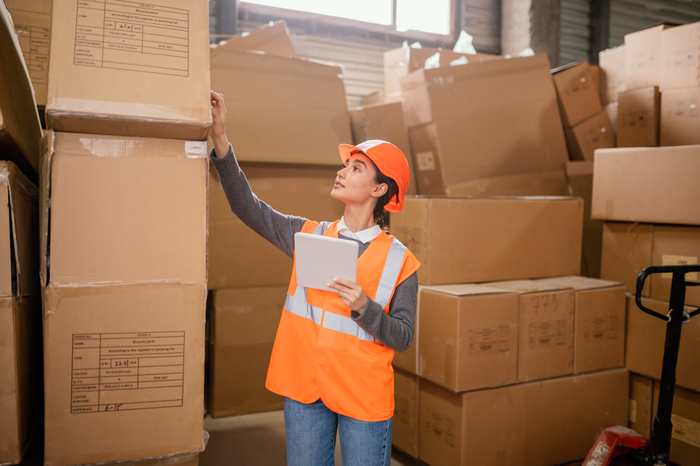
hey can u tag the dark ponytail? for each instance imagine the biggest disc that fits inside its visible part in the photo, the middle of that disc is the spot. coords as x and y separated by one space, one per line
393 190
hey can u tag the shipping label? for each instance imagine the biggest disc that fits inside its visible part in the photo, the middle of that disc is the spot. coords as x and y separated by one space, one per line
599 329
489 340
547 334
686 430
425 161
34 42
633 411
668 259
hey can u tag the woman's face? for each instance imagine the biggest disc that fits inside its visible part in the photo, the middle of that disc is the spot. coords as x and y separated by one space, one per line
354 183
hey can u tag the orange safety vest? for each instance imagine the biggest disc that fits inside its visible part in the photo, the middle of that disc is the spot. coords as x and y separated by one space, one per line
320 352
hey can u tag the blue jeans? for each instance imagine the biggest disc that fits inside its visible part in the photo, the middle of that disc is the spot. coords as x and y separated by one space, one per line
311 434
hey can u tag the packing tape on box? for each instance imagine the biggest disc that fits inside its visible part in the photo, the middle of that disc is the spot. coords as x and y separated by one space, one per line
117 146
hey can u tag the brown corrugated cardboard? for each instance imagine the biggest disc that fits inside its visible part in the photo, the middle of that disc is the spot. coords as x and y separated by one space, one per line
469 336
517 237
599 322
647 184
243 326
643 57
384 121
612 66
641 399
546 328
122 362
530 424
580 178
239 257
139 70
116 202
32 19
675 246
182 460
20 314
645 344
578 93
680 117
272 39
403 60
680 50
281 109
589 135
405 428
611 110
626 252
638 117
20 129
685 417
550 183
380 97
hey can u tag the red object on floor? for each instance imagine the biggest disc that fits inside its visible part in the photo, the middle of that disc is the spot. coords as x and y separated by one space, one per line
613 442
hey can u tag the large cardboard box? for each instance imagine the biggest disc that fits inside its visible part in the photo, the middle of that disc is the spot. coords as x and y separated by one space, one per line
238 256
517 237
404 434
599 322
680 51
647 184
530 424
580 178
469 336
403 60
675 246
578 93
281 109
685 417
589 135
20 128
626 252
20 314
123 268
643 57
638 117
384 121
32 20
611 110
680 117
549 183
641 412
137 70
272 39
612 66
483 120
546 328
645 343
242 330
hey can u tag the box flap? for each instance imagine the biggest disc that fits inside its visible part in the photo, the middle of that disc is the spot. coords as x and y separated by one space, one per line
273 39
467 289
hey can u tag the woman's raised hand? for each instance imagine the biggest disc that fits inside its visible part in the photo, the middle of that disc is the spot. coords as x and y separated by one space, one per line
218 124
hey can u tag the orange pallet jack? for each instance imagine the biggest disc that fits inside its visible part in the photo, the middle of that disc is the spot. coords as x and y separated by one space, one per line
621 446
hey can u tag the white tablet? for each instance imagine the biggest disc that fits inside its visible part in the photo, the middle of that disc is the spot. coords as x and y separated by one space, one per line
320 259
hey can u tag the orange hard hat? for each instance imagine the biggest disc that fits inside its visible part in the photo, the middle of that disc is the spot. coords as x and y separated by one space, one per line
389 160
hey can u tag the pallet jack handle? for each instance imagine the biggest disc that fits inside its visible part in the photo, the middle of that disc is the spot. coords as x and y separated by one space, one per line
681 271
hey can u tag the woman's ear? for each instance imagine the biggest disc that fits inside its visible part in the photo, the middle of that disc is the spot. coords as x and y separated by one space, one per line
380 190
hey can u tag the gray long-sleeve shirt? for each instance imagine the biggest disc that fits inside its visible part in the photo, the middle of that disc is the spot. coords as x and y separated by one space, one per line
394 330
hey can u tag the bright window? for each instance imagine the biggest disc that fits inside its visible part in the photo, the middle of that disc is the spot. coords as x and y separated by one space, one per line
421 15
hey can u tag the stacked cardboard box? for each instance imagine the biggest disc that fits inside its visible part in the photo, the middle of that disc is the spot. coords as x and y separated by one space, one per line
124 231
579 174
286 117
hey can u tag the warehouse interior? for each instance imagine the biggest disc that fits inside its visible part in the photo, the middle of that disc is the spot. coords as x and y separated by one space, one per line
519 178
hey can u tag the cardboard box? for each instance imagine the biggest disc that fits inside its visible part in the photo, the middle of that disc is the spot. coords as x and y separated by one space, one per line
685 417
528 424
599 322
612 109
243 326
680 117
680 50
272 39
643 57
550 183
589 135
612 66
280 109
384 121
517 237
238 256
20 129
469 336
380 97
403 60
405 428
136 71
123 210
675 246
638 123
546 328
32 19
634 185
578 93
579 175
626 252
641 400
183 460
20 314
645 343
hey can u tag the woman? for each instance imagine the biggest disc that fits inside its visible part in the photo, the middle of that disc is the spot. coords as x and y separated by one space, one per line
332 355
